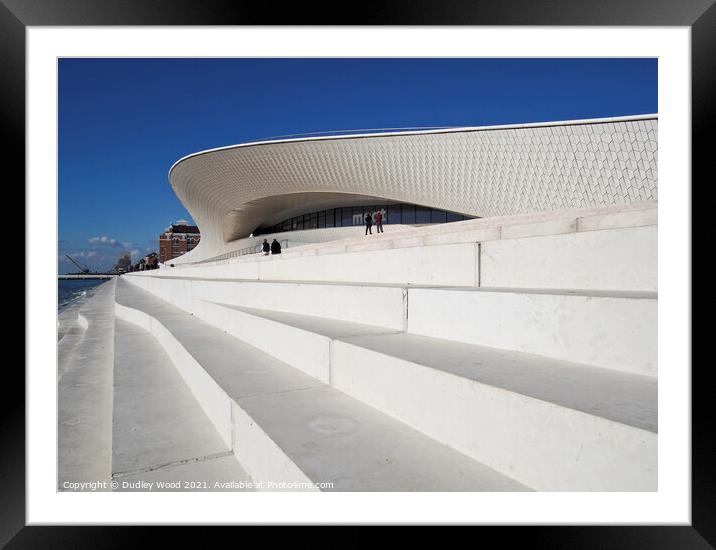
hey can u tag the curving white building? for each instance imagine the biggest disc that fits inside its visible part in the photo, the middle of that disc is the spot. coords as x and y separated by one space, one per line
418 177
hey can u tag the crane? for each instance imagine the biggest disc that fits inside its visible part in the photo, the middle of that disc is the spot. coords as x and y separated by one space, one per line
82 268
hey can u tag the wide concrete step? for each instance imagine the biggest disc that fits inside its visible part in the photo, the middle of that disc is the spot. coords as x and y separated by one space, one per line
623 259
613 259
552 424
69 321
161 438
302 341
376 261
616 330
71 328
381 305
291 431
336 240
611 250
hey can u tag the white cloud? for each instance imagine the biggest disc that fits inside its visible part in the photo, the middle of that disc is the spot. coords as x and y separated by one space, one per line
104 239
80 254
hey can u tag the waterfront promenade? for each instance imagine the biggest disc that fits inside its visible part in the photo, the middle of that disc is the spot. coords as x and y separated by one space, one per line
87 276
126 418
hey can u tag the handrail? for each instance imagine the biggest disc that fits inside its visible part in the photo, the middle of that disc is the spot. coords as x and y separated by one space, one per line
255 249
357 130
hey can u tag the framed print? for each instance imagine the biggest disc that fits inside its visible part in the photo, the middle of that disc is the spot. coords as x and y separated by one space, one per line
402 270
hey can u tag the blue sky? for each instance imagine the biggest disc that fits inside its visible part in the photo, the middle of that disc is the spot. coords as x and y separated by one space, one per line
124 122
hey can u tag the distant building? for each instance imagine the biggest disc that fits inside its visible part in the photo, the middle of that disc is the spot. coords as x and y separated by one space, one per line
125 260
177 239
151 260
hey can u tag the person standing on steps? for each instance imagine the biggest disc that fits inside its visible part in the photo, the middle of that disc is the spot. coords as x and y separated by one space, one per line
368 223
275 247
266 247
378 217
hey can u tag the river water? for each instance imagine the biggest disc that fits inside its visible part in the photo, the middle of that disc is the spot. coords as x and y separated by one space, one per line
71 290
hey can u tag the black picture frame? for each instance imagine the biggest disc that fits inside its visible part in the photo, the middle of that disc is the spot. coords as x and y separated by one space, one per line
699 15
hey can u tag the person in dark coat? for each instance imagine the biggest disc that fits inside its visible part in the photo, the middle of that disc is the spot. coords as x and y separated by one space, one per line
275 247
368 223
266 247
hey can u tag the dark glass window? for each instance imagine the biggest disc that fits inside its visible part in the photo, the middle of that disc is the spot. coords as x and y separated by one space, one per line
408 214
437 216
393 214
422 214
359 214
355 215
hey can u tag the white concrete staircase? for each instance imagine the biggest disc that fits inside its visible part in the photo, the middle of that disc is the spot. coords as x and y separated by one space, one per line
127 421
161 438
290 431
519 352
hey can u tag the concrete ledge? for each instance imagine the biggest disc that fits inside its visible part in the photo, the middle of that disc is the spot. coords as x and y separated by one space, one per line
618 220
213 400
336 249
71 331
302 341
564 249
483 229
535 229
263 458
306 351
374 305
452 264
614 259
160 434
374 262
408 242
603 331
547 447
472 236
378 243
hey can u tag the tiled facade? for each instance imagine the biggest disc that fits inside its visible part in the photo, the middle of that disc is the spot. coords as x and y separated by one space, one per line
487 171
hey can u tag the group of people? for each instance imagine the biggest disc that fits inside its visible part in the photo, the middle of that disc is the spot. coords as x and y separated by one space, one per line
273 248
369 219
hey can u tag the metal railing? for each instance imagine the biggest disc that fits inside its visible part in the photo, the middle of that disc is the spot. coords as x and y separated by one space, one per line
255 249
358 131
